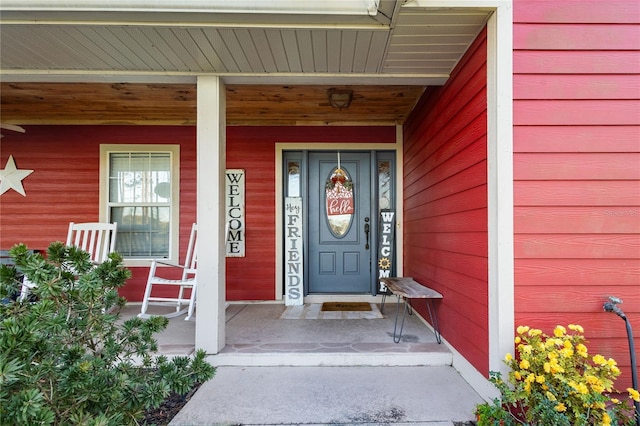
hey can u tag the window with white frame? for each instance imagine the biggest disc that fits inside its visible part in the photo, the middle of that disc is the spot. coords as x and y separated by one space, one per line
141 195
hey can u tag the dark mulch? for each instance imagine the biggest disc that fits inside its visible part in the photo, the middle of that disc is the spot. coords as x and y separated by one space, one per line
171 406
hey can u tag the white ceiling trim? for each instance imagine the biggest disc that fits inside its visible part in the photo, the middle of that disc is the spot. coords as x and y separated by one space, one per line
230 78
319 7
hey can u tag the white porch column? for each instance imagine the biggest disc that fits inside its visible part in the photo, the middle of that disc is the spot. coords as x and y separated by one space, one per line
211 161
500 184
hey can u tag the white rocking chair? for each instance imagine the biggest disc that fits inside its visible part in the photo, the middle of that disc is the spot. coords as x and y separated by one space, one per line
96 238
187 281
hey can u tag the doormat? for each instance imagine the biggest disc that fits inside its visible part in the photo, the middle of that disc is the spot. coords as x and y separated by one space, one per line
313 311
346 306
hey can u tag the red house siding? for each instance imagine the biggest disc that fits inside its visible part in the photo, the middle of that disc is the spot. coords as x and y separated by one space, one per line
577 168
445 202
65 187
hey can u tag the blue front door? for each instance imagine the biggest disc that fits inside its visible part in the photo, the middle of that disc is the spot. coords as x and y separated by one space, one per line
339 245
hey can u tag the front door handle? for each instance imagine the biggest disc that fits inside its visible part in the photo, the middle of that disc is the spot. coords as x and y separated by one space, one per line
366 232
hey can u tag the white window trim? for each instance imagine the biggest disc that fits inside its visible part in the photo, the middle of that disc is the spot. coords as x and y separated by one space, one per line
174 150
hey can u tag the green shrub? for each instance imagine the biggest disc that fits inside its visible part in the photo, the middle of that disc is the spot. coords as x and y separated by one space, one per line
554 381
65 358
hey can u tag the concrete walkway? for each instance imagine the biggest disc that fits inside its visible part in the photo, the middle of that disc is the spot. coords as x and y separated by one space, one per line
419 395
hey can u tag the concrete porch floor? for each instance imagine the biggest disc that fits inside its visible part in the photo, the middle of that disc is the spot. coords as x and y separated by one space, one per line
257 336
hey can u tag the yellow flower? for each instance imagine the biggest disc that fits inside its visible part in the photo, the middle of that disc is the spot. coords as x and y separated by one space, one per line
517 340
539 379
526 349
582 388
576 327
531 378
524 364
535 332
550 396
606 420
559 331
560 407
556 368
582 350
567 353
522 329
599 359
634 394
553 342
508 357
547 367
612 362
615 400
517 375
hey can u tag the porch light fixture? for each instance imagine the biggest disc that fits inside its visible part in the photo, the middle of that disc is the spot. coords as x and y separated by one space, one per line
312 7
340 98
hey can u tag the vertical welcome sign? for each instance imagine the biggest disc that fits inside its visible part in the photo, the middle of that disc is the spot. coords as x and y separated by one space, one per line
234 206
293 294
386 242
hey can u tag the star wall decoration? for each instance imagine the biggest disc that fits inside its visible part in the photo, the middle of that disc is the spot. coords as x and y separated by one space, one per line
11 177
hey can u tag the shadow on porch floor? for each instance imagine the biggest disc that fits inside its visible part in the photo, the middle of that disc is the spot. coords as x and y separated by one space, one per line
257 336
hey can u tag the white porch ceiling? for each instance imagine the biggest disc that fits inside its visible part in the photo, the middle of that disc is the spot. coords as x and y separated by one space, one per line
402 44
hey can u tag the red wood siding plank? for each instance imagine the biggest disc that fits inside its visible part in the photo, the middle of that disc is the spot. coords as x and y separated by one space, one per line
584 272
576 62
563 86
564 299
578 11
576 112
446 144
469 178
471 199
576 193
577 166
575 139
575 37
466 157
465 242
577 246
465 221
462 285
577 220
471 266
